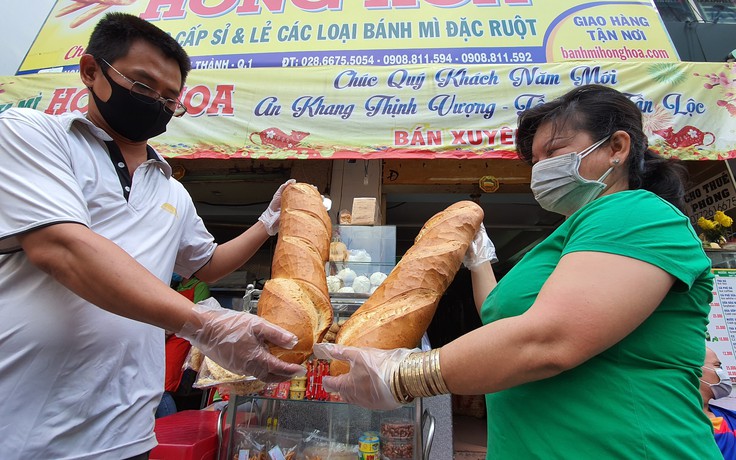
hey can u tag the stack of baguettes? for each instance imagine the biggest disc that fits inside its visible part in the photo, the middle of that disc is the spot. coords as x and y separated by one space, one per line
296 297
398 313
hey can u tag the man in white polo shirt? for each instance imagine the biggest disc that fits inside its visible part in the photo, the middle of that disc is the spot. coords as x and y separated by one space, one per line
88 210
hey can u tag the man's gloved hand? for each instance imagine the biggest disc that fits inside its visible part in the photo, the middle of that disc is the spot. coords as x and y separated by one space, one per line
368 382
481 250
236 341
272 214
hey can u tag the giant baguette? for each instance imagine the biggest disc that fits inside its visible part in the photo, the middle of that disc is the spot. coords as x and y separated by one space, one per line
296 297
398 313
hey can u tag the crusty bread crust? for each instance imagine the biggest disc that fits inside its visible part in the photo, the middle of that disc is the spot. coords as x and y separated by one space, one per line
296 297
398 313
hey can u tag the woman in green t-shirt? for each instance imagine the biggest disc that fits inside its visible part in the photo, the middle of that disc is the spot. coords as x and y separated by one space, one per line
592 345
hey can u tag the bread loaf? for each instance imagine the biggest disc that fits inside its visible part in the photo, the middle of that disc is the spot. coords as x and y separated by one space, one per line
398 313
296 297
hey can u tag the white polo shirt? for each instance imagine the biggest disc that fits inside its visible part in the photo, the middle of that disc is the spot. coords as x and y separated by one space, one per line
76 381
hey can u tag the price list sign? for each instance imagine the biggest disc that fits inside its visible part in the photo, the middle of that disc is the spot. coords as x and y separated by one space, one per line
722 326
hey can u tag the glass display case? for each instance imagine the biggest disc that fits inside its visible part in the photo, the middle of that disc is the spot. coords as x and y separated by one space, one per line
272 428
360 257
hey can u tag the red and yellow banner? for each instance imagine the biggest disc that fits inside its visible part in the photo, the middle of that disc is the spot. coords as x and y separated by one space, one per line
414 111
231 34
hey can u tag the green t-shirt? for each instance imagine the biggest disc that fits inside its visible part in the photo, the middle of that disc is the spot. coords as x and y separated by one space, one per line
639 399
194 289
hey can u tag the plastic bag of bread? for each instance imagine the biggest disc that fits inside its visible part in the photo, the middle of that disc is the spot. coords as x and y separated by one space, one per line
345 217
338 256
259 443
331 451
194 359
251 443
212 374
319 446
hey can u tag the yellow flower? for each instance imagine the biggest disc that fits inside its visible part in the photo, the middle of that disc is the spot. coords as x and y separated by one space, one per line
723 219
706 224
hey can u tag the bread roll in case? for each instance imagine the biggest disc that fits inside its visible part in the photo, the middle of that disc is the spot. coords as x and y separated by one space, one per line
398 313
296 297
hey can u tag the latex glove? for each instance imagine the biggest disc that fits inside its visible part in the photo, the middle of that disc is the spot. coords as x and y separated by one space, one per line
236 341
368 382
481 250
272 214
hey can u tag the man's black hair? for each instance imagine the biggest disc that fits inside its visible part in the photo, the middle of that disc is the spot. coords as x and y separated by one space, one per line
116 32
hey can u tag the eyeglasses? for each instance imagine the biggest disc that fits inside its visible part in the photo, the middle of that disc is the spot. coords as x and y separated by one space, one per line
145 93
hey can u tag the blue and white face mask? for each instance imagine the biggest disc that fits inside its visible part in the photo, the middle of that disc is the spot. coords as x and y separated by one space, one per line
724 386
558 186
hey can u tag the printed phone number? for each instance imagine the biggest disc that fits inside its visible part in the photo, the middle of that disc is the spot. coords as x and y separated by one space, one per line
493 57
386 59
706 209
497 57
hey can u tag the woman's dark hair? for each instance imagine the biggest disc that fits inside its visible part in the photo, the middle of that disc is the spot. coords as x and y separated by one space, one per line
116 32
601 111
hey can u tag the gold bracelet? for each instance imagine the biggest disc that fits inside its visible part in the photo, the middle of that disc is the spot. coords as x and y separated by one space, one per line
404 379
436 388
438 374
423 375
401 385
418 376
395 388
429 377
433 376
412 379
397 391
392 386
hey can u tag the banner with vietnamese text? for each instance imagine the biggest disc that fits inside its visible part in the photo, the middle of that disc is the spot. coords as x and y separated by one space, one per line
229 34
419 111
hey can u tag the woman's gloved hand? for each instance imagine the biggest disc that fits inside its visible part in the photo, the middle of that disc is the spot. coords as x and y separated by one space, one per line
480 250
368 382
237 341
271 216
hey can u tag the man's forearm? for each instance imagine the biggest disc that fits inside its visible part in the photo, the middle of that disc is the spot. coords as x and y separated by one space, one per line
100 272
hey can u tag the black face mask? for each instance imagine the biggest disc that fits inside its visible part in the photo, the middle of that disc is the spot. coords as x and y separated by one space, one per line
133 119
